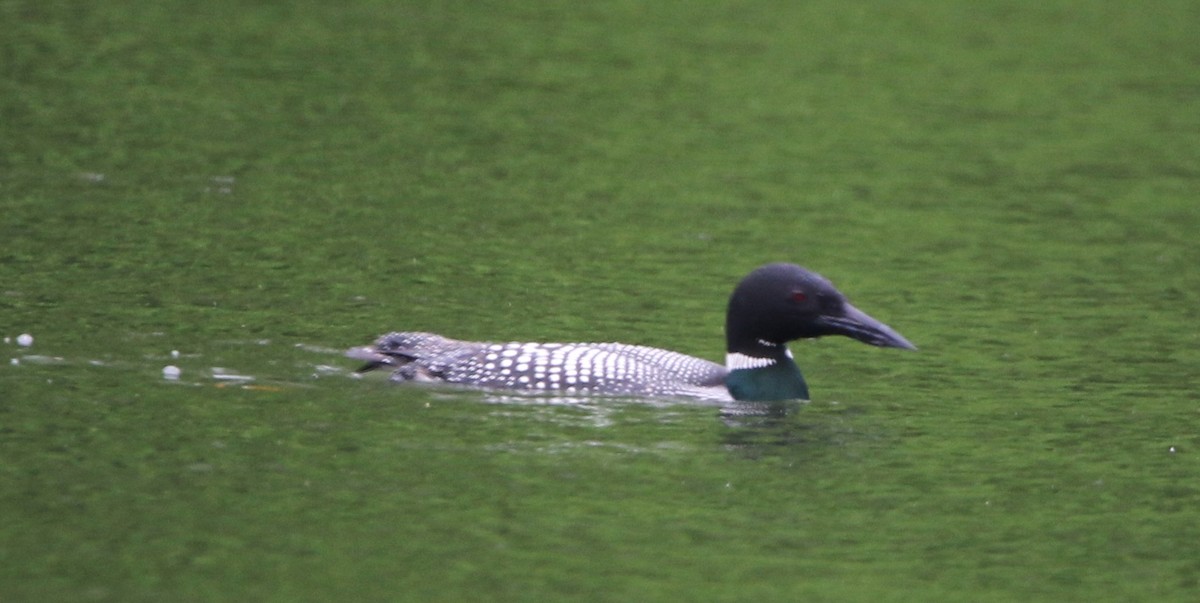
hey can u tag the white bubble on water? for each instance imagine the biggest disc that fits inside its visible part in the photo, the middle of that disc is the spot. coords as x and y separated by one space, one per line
25 340
174 353
171 372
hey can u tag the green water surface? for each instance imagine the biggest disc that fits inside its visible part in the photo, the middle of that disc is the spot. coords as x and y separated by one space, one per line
245 189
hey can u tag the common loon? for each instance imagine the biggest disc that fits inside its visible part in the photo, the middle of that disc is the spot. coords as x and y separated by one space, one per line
771 306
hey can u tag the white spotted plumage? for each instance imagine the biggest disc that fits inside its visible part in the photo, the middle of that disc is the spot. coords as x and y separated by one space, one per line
587 368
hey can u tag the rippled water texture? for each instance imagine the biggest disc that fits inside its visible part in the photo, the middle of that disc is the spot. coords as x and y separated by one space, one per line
242 191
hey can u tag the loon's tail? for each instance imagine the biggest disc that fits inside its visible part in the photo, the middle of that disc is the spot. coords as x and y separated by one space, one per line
396 350
375 359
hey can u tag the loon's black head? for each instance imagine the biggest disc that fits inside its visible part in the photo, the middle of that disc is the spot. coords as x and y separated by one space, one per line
780 302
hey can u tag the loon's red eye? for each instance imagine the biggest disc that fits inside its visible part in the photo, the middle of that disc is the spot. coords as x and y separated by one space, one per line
799 296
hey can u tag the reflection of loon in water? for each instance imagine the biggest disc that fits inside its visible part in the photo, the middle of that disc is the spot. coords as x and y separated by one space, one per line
772 305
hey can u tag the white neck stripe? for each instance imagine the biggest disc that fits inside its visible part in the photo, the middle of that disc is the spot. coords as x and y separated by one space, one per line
735 361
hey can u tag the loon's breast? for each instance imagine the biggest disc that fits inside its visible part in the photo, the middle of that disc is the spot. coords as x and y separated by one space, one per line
571 368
